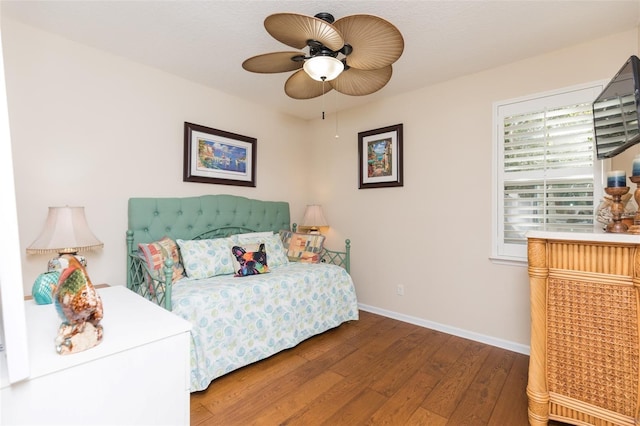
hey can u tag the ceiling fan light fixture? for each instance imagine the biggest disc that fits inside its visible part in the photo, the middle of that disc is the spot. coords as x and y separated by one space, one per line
323 68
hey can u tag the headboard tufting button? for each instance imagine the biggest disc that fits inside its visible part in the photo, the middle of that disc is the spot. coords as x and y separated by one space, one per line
179 212
168 229
200 212
156 213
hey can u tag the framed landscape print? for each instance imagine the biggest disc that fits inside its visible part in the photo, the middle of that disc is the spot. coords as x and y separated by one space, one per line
216 156
380 157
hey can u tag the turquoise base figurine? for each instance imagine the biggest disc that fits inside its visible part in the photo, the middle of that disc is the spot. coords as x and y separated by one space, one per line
42 290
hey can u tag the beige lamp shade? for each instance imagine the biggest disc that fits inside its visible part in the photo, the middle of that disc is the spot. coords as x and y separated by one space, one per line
314 218
65 231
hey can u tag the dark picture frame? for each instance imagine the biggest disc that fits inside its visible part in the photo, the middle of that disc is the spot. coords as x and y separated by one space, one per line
380 157
219 157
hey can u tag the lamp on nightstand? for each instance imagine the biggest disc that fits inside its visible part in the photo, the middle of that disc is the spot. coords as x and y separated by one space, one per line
66 231
314 218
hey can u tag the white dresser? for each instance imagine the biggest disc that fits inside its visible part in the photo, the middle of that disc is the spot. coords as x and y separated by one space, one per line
138 374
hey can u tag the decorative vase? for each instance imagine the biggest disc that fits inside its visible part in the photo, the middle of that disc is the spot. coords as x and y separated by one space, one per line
42 290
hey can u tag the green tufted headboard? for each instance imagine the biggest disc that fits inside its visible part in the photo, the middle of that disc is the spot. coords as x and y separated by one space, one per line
212 216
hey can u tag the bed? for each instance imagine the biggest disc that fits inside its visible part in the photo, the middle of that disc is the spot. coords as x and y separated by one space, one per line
236 320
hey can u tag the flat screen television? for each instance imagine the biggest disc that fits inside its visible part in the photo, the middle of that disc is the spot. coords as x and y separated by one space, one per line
615 112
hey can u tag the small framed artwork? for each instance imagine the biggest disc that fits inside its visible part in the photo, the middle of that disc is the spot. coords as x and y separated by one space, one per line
216 156
380 157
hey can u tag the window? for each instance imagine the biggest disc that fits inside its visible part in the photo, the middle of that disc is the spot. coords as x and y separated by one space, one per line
545 169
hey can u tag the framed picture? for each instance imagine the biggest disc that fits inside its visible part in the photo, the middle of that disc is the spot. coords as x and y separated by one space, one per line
380 157
216 156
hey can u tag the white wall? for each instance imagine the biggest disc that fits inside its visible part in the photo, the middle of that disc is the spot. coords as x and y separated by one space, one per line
434 234
14 354
93 129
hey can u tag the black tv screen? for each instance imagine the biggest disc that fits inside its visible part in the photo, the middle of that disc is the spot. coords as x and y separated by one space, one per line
615 112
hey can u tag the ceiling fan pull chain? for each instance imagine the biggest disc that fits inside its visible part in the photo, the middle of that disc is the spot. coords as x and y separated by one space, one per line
335 96
323 82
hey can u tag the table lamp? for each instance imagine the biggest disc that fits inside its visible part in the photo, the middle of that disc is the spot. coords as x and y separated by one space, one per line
65 231
314 218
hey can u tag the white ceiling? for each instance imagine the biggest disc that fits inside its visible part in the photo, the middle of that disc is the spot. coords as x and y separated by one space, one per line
207 41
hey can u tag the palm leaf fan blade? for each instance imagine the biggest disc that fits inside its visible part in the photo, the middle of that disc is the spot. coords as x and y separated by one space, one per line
376 43
356 82
295 30
301 86
273 62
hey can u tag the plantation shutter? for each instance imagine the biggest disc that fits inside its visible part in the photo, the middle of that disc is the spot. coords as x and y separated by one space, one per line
546 168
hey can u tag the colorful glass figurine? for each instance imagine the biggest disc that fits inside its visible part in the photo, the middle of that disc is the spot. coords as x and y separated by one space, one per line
80 307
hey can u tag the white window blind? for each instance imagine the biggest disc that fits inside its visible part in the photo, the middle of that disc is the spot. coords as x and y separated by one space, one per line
545 167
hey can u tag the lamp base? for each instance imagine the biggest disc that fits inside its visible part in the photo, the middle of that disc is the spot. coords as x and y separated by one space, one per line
59 263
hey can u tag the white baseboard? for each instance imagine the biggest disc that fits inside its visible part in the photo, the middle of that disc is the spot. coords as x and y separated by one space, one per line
504 344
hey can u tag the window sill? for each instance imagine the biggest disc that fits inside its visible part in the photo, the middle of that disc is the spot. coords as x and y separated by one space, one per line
509 261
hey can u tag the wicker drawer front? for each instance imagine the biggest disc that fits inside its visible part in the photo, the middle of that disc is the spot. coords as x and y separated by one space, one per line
592 342
597 258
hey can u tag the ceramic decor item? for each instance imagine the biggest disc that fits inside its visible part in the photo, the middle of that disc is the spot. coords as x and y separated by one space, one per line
80 307
42 290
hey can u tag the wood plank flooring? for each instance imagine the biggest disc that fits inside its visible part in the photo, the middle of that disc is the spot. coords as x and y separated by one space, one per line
375 371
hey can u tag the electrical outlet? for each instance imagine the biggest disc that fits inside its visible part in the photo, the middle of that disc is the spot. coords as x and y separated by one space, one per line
400 290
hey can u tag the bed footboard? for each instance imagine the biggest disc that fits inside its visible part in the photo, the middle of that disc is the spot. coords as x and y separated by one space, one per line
139 277
335 257
340 258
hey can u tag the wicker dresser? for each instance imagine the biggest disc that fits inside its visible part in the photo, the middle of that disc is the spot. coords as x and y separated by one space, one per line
584 365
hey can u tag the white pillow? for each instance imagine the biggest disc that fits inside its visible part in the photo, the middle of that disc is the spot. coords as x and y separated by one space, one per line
276 254
206 258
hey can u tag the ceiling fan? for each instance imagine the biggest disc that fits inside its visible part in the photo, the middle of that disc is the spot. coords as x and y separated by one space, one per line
353 54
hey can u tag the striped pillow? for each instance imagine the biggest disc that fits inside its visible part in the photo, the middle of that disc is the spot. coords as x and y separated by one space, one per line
154 254
302 247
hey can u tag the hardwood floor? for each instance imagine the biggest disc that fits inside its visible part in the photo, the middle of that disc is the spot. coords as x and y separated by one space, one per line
375 371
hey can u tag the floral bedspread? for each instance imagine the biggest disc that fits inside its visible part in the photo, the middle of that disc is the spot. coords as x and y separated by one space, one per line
241 320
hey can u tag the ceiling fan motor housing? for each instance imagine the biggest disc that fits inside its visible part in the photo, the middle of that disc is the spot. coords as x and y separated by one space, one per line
317 49
325 17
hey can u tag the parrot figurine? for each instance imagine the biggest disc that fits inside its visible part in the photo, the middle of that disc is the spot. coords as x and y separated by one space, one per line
79 306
